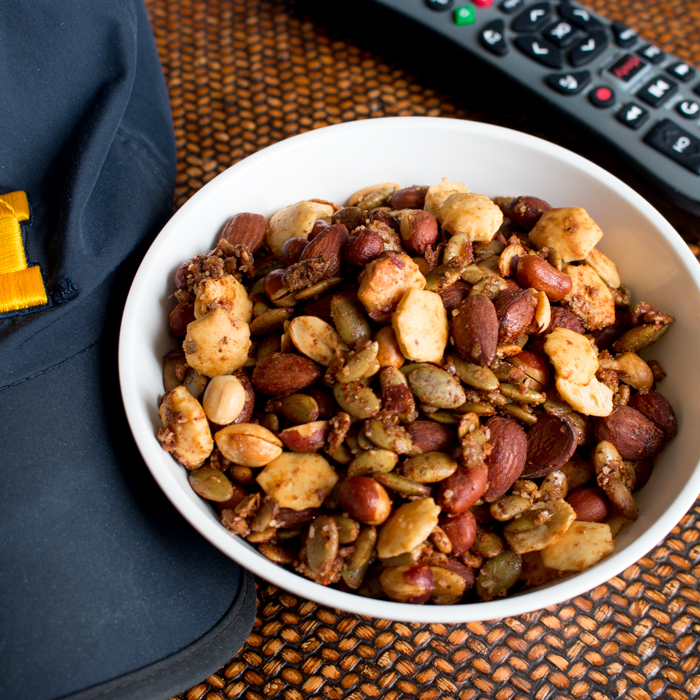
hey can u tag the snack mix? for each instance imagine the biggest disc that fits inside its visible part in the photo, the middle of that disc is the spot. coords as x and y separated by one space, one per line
423 396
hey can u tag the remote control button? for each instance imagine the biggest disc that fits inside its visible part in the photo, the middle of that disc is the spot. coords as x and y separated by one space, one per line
652 53
579 17
676 143
682 71
689 109
510 6
632 115
483 3
533 18
624 36
696 89
492 37
569 83
540 50
602 96
657 91
626 67
464 15
588 48
439 5
560 33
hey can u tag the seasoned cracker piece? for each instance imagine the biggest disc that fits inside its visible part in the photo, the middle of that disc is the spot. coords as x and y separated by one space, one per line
589 299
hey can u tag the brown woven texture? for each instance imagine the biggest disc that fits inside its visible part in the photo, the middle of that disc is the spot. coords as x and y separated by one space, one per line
245 74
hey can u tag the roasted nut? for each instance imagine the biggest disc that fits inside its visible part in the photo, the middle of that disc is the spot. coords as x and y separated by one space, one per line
539 527
563 318
396 395
281 373
245 229
385 189
364 246
412 583
475 329
365 499
605 267
180 317
461 531
248 444
581 546
572 355
298 480
460 491
590 504
226 292
589 298
292 250
551 443
419 230
316 339
570 231
217 344
428 436
294 221
515 312
525 212
535 272
329 246
308 437
658 410
634 435
385 280
350 217
449 586
636 372
533 366
388 352
472 214
409 526
507 459
420 324
185 433
224 399
408 198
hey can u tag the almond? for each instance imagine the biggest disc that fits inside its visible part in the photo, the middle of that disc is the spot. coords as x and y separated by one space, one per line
533 271
408 198
633 434
508 456
658 410
280 373
245 229
475 329
454 295
329 245
551 442
563 318
292 250
428 436
461 490
590 504
515 312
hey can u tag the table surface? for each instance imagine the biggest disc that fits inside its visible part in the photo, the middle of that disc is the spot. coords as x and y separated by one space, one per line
244 74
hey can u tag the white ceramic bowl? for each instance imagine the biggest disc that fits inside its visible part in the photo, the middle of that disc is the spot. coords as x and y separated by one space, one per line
330 164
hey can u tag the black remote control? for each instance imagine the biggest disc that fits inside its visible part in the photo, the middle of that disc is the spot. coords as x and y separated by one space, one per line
640 102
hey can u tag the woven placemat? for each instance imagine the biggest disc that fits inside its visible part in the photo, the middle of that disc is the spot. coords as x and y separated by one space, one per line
245 74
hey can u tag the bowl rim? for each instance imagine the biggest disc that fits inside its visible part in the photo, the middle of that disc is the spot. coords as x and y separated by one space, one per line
561 589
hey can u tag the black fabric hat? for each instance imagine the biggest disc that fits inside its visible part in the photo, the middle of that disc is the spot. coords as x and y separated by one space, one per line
105 591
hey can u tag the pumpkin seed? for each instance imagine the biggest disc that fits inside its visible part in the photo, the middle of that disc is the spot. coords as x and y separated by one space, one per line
449 587
487 544
402 485
474 375
540 526
321 547
357 399
211 484
498 575
435 387
348 529
350 320
321 287
270 321
350 217
508 507
512 410
429 467
388 436
458 248
441 277
639 337
298 408
358 364
373 461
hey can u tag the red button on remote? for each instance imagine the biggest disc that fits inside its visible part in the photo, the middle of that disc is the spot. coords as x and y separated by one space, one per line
483 3
602 96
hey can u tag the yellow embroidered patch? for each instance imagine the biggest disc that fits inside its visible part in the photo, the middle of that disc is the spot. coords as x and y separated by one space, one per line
21 287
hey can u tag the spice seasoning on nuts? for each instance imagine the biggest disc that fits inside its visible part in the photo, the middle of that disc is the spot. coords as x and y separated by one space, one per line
425 395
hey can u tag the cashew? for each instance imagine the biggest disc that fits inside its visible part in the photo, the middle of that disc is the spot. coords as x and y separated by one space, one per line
294 221
316 339
604 266
570 231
